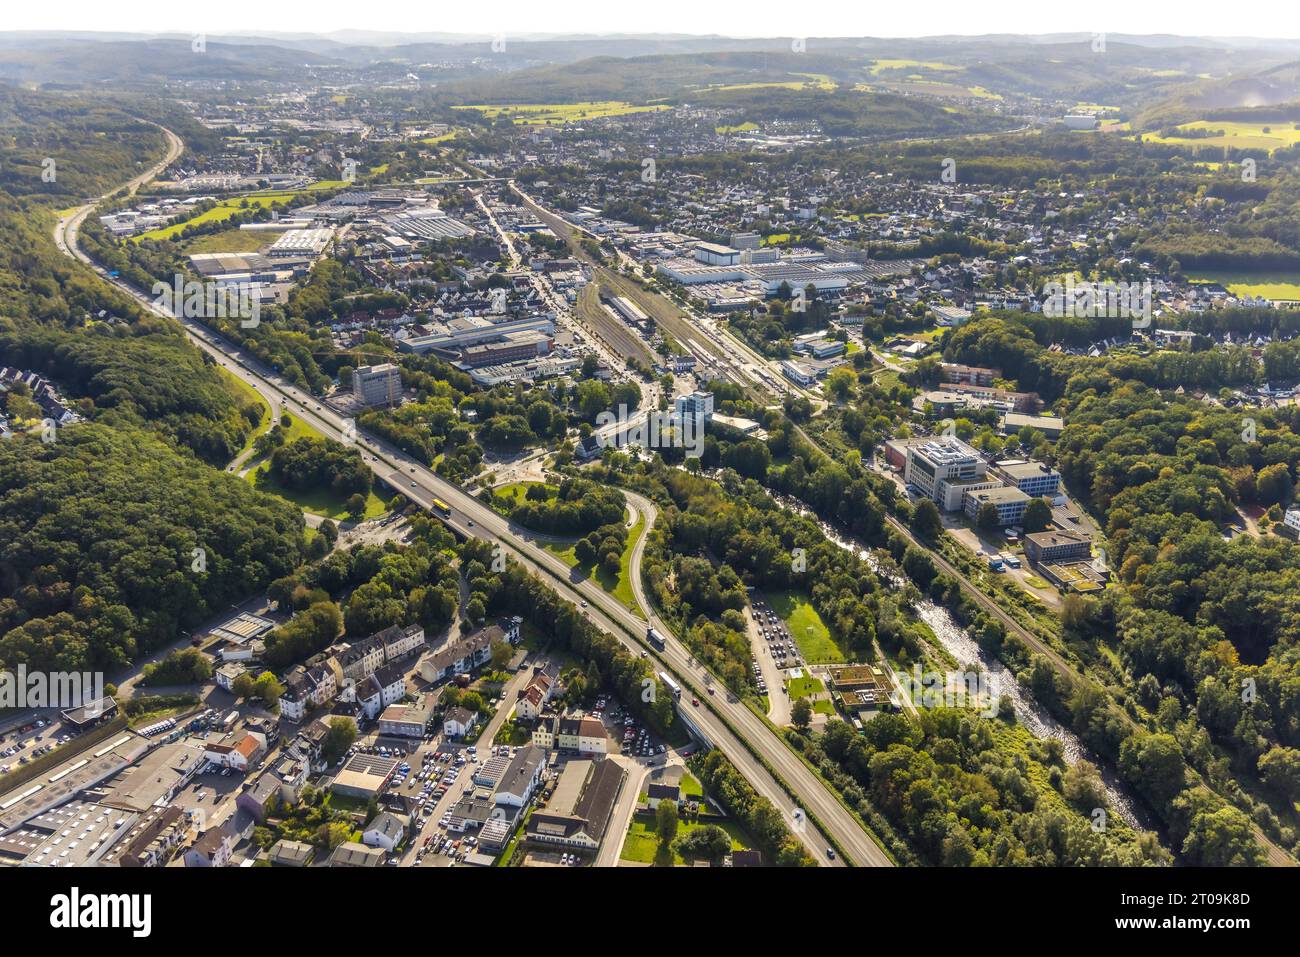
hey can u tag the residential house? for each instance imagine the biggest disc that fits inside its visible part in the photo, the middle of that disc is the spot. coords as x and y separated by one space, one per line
469 653
212 849
385 687
458 722
581 733
656 794
153 838
534 698
241 755
400 642
285 853
228 673
352 854
362 659
386 830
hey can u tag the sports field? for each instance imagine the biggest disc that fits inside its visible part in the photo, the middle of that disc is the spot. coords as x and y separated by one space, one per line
1268 285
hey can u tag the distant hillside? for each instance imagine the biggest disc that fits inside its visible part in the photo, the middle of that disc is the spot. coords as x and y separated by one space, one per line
856 113
1233 97
94 145
79 62
644 78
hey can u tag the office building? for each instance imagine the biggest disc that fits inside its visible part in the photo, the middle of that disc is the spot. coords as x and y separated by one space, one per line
696 408
1033 478
1010 503
944 470
378 384
1057 546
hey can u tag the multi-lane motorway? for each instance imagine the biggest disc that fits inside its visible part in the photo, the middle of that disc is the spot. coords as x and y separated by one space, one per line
716 715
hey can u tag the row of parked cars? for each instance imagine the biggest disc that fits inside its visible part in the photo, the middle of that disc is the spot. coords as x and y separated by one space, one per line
773 630
20 746
455 848
636 739
438 772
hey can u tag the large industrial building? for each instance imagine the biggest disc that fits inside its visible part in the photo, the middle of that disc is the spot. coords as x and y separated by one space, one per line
459 333
301 242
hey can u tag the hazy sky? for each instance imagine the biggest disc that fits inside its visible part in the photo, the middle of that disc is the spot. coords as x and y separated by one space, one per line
796 18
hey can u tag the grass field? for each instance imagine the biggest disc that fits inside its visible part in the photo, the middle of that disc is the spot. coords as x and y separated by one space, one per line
1266 284
548 114
440 138
246 393
229 241
806 627
642 841
324 502
915 83
745 127
516 491
690 785
804 687
811 81
319 502
619 586
221 212
1258 136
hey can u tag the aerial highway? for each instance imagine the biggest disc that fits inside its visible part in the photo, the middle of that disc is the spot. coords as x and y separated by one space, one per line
717 715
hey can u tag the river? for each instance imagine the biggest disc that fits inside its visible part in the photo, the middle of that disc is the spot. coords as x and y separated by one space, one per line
1001 681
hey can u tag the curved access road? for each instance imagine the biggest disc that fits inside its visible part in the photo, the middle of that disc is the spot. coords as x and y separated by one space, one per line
813 795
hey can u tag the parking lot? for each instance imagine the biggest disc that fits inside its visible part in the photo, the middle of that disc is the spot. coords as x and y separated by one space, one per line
627 736
40 737
776 637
